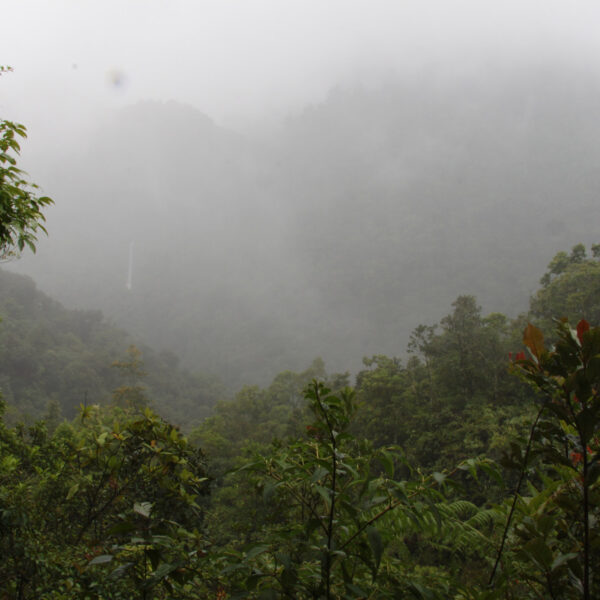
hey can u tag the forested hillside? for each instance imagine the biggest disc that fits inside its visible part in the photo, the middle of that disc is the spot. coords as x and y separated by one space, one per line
52 360
468 471
336 233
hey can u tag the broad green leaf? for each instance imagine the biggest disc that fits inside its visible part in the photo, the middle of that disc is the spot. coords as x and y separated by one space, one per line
252 580
561 559
100 560
143 508
318 474
492 471
164 570
120 570
255 552
284 559
324 493
376 544
356 590
420 591
269 490
73 490
154 556
387 461
123 527
540 552
439 477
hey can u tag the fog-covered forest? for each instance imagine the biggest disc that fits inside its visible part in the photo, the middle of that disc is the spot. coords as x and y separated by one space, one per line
299 300
357 219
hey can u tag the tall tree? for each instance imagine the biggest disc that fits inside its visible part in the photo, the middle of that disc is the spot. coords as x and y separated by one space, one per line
570 288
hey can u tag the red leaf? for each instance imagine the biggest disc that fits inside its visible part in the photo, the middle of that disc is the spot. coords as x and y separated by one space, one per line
582 327
533 338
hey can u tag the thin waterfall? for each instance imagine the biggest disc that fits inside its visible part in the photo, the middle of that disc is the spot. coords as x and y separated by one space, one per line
129 283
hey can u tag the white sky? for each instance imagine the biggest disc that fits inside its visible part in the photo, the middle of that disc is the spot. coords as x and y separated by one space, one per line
249 58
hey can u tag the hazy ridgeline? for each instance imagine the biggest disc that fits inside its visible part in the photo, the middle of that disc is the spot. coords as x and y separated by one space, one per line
334 235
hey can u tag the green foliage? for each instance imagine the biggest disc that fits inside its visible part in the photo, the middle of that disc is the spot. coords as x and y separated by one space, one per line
49 354
454 398
255 417
386 394
553 547
322 501
239 429
570 288
20 207
107 507
339 512
131 394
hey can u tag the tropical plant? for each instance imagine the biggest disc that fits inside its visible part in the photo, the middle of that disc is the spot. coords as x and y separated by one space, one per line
551 542
20 207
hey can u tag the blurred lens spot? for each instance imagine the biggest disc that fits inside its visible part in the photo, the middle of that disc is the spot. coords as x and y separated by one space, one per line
116 78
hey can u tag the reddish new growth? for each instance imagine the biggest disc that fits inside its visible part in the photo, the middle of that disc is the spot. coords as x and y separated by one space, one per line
582 327
577 457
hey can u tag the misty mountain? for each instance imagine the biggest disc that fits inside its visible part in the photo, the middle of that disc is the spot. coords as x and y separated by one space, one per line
358 219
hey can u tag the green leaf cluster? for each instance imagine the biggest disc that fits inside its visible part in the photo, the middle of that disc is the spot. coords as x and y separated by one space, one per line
21 208
107 507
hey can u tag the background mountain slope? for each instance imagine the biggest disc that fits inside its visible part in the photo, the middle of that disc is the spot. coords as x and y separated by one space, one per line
52 360
338 233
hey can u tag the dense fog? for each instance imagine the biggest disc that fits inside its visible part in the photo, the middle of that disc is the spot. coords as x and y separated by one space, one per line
274 212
